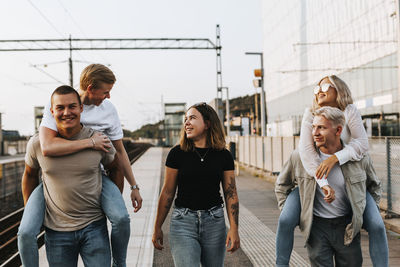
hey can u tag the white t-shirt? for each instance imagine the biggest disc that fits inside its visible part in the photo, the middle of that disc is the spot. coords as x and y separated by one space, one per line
353 135
341 205
103 118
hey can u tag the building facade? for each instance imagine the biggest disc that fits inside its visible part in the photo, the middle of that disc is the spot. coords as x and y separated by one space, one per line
306 40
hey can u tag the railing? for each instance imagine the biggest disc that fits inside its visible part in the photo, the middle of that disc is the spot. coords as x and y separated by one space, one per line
10 177
13 147
270 153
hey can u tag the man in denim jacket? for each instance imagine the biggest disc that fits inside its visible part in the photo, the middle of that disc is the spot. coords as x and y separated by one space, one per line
330 224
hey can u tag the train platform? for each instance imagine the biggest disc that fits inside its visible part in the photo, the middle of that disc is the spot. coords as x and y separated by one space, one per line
257 222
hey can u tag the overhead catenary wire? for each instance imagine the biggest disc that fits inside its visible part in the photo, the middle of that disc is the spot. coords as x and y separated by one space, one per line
45 18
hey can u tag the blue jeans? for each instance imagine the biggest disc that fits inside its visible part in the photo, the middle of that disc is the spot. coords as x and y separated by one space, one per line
91 242
113 206
290 217
198 237
29 228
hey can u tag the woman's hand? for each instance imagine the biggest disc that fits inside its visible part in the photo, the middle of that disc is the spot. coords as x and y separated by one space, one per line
326 166
100 142
233 239
158 239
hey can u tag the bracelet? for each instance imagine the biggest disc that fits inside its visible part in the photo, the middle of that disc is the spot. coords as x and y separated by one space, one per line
93 142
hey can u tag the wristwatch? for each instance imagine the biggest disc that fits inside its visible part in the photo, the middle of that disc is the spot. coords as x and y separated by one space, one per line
135 187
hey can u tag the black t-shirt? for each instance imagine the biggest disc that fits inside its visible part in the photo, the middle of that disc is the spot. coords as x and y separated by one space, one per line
199 182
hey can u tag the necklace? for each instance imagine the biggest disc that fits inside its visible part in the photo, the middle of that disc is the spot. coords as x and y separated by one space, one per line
201 157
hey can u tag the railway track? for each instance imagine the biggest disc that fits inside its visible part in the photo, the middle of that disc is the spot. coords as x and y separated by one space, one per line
9 256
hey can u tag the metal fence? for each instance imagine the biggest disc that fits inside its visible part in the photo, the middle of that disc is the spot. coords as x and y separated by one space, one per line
10 177
13 147
270 153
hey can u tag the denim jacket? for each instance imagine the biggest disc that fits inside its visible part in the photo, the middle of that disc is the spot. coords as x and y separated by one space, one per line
359 177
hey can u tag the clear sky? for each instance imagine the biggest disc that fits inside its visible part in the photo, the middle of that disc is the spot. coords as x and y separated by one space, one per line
143 76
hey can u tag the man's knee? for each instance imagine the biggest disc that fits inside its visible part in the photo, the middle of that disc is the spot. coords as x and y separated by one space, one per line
26 240
121 219
287 222
26 234
375 226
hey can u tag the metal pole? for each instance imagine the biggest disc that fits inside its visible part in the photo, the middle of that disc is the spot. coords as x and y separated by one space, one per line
219 67
263 117
71 74
257 119
262 100
228 120
398 53
389 175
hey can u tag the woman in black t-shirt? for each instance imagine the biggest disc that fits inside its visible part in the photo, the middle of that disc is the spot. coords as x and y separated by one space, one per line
197 167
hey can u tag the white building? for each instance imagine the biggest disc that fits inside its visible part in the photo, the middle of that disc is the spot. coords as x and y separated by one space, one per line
306 40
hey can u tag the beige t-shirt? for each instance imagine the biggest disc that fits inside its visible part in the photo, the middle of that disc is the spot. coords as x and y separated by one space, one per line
71 184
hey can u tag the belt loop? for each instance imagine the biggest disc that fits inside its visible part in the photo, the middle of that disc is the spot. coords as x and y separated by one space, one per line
210 211
185 211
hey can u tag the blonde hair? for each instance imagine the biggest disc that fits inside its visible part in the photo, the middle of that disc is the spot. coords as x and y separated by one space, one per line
343 92
94 74
335 115
215 133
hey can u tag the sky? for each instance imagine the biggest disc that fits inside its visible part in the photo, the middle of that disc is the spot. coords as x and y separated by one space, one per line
145 78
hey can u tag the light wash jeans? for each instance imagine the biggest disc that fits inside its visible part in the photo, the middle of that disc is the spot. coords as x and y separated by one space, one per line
290 217
113 206
198 237
91 242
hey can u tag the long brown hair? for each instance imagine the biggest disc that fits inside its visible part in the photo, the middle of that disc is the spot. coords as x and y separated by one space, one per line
215 137
343 92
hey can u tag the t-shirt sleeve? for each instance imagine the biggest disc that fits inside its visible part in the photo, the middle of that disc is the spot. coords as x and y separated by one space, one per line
114 132
48 120
173 158
229 164
30 155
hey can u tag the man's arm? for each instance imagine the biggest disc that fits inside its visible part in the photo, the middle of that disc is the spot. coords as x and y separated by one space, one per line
52 145
126 170
30 180
284 183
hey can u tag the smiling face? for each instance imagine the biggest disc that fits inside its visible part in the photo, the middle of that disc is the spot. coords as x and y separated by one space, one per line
66 111
96 96
195 127
327 98
325 134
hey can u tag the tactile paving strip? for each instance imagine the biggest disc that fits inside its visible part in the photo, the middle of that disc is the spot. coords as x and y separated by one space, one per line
258 241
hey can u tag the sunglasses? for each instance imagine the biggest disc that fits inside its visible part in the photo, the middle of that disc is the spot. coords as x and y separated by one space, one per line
323 87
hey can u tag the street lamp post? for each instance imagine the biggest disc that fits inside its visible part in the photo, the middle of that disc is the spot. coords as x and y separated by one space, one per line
263 104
